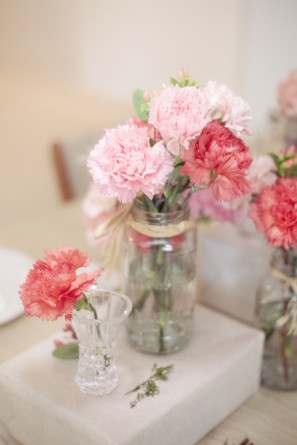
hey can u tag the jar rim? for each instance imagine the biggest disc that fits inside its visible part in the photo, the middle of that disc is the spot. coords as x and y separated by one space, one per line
159 218
100 320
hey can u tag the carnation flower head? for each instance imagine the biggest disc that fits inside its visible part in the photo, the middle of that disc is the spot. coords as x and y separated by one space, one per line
232 110
287 95
260 173
123 164
218 159
52 286
179 114
274 213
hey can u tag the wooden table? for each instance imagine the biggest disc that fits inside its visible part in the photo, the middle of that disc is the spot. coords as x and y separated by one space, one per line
268 418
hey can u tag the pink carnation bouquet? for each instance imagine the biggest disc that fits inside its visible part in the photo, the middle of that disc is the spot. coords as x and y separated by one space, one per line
274 211
184 139
274 207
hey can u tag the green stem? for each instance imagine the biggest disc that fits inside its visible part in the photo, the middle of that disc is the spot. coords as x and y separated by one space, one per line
160 373
140 303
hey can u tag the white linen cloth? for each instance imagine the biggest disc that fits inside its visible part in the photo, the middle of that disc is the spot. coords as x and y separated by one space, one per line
214 375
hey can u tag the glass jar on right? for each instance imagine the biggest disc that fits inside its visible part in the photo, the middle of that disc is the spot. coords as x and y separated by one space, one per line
276 314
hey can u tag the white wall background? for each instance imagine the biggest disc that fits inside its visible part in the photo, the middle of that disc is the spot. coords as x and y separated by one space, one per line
111 46
102 49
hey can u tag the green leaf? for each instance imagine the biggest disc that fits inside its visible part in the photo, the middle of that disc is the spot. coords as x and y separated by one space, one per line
175 174
68 351
291 172
141 107
150 205
173 81
274 157
213 174
81 303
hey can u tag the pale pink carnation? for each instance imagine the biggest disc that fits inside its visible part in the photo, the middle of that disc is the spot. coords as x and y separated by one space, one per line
96 209
261 173
52 286
274 213
123 164
203 203
232 110
287 95
220 160
179 114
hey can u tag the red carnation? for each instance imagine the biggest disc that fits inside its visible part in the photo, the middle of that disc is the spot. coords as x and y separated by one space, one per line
219 159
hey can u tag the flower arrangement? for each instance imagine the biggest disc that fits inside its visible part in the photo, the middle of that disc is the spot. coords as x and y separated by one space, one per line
183 149
53 288
183 140
274 211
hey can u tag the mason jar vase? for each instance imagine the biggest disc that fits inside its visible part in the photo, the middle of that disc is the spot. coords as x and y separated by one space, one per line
160 277
276 313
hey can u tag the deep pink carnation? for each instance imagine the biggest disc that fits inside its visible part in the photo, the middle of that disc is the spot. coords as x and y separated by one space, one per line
52 285
123 164
274 213
179 114
219 159
287 95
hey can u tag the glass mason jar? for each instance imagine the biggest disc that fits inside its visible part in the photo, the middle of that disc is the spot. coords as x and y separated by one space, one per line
160 275
276 312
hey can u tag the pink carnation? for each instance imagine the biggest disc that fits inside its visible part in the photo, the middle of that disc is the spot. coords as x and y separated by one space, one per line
203 203
230 109
52 286
123 164
287 95
217 158
179 114
261 173
274 213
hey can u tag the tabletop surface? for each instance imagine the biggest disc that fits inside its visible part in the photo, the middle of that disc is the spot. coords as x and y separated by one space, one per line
267 418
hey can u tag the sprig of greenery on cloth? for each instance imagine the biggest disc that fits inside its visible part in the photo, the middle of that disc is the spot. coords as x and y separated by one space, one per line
149 387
